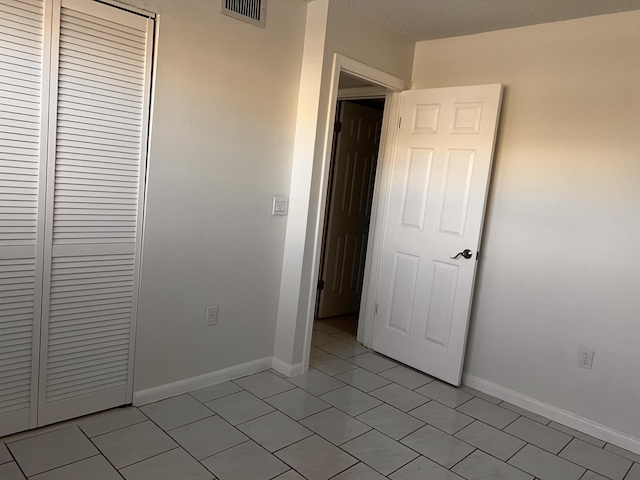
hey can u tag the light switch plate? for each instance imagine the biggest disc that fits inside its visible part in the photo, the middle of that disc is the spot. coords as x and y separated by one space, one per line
280 206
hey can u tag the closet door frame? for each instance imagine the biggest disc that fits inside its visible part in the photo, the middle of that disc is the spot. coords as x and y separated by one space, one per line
42 210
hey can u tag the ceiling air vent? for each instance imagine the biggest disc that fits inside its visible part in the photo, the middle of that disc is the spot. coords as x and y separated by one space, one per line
250 11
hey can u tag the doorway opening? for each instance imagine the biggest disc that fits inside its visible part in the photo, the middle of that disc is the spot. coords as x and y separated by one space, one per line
352 173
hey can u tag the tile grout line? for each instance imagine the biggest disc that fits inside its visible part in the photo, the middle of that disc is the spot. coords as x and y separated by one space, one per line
453 435
166 432
350 416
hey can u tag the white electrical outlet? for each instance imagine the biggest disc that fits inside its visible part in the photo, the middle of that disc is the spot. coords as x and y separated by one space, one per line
212 316
585 357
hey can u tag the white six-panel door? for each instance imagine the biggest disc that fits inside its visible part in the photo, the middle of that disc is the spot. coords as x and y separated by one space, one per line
439 182
73 251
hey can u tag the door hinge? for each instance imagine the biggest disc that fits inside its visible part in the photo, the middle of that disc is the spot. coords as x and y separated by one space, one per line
376 308
320 284
477 254
337 127
399 122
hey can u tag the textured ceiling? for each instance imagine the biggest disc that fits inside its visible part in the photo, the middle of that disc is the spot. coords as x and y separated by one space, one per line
431 19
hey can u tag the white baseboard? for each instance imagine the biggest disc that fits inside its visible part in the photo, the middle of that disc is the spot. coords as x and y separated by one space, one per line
556 414
161 392
287 369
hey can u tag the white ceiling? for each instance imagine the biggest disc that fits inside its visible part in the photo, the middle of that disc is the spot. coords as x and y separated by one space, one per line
431 19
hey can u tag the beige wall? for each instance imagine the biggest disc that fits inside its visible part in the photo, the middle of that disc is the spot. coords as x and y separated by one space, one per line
358 38
222 137
560 257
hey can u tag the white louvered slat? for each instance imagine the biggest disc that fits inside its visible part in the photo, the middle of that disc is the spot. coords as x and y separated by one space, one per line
21 85
102 71
84 286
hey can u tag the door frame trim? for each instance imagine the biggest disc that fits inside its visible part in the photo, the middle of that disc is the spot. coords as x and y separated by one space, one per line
392 85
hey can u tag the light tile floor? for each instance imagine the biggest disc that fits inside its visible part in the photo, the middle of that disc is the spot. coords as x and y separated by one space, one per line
355 416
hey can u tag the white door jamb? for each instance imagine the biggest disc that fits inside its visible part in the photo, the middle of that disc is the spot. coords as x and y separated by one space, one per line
392 85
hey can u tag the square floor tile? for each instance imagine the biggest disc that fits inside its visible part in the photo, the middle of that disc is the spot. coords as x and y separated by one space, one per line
316 382
544 465
350 400
359 471
207 437
264 384
133 444
445 394
331 365
171 465
346 337
5 456
373 362
478 393
634 457
243 462
400 397
442 417
324 328
51 450
634 473
539 435
275 372
176 411
490 440
596 459
438 446
315 458
575 433
274 431
290 475
423 468
318 338
297 403
525 413
110 420
11 471
94 468
239 407
335 426
480 466
379 452
407 377
363 379
342 349
223 389
594 476
488 412
316 352
391 421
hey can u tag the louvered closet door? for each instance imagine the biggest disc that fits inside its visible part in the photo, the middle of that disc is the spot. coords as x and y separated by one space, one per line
21 193
96 171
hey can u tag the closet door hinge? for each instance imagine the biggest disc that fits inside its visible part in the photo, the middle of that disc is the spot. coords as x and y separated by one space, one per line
320 284
337 127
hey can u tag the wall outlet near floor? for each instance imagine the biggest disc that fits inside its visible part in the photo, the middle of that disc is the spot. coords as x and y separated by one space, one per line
585 357
212 316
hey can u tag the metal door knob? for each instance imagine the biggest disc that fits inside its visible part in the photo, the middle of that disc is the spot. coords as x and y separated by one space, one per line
466 253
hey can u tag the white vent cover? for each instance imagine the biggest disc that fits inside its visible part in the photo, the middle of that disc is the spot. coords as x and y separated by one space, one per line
250 11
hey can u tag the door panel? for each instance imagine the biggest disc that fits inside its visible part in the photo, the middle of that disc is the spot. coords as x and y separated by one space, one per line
98 126
439 184
22 66
347 226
